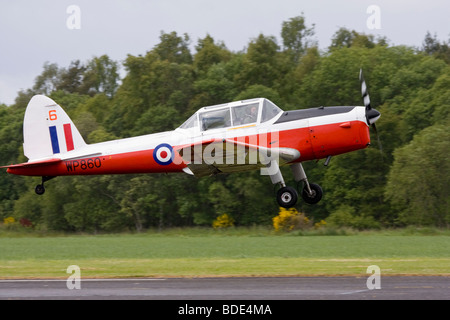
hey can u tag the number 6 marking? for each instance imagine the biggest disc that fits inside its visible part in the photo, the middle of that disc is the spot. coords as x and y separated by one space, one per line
52 115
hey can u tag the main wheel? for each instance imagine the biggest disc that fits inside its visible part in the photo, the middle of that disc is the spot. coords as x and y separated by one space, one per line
39 189
315 196
287 197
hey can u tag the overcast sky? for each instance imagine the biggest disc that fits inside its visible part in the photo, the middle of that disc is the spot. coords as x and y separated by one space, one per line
33 32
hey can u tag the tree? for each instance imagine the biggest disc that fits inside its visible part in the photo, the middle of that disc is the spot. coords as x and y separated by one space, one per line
48 80
261 64
141 205
419 179
356 180
215 87
334 81
101 76
344 38
431 46
11 187
174 48
71 79
295 77
419 113
218 84
297 37
209 54
441 98
150 82
258 90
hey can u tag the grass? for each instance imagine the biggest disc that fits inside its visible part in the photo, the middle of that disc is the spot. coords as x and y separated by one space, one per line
235 252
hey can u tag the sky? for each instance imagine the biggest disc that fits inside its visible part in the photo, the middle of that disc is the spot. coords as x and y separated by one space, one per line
61 31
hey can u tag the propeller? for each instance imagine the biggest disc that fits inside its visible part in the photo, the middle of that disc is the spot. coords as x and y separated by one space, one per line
372 115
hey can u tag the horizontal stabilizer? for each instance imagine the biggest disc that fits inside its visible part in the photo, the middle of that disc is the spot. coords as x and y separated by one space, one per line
46 162
33 164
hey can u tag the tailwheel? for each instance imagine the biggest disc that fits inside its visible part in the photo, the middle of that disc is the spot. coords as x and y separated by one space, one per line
39 189
287 197
313 195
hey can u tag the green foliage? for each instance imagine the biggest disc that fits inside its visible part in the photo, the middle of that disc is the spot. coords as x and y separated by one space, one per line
346 216
431 46
261 64
208 54
173 48
344 38
296 37
419 179
406 185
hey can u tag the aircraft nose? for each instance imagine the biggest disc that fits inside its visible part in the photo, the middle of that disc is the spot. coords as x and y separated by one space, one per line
372 115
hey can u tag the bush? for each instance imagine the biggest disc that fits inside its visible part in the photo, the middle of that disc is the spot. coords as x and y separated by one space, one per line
291 219
342 217
10 224
8 221
223 221
345 216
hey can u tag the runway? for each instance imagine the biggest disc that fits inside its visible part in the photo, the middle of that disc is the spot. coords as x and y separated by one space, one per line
231 289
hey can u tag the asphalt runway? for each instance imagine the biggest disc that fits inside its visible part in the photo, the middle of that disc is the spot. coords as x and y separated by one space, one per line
231 289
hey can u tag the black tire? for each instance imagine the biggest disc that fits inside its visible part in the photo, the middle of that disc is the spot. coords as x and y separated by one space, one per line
39 189
316 195
287 197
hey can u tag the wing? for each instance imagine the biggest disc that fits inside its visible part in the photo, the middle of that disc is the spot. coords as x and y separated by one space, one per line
228 155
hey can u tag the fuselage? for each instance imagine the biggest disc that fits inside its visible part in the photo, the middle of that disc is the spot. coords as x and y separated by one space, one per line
316 133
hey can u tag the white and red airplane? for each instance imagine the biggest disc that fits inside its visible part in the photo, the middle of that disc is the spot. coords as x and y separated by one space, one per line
231 137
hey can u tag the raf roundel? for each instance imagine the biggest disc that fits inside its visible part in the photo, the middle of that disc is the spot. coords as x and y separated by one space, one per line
163 154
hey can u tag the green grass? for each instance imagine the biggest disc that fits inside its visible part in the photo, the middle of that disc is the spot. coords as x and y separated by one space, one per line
198 252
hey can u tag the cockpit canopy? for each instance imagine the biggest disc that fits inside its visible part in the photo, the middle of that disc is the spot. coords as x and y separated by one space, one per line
235 114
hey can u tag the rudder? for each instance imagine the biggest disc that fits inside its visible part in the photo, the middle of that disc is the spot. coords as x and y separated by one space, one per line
47 130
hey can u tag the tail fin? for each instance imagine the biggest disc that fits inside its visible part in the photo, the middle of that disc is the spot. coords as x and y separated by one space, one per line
48 130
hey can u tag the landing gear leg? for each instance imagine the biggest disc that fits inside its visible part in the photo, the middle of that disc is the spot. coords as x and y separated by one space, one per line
40 189
286 196
312 193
